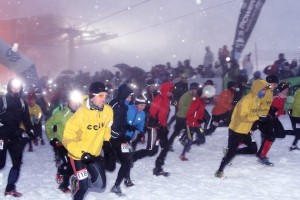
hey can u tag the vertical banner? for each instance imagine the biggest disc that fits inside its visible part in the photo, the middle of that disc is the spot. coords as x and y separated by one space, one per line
11 58
248 16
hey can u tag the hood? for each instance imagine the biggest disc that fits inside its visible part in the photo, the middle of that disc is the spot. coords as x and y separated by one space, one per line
9 89
258 85
166 87
123 92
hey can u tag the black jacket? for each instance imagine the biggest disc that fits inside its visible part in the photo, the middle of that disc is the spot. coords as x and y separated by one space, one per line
120 109
15 113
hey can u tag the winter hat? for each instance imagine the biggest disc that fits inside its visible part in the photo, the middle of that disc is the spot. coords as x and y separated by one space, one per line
282 86
209 82
140 99
96 88
199 92
257 75
184 76
150 82
31 96
194 86
231 84
272 79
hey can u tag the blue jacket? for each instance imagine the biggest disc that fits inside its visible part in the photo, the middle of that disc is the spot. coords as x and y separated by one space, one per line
136 119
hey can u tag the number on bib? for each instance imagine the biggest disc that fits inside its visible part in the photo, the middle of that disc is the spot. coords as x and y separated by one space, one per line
125 148
82 174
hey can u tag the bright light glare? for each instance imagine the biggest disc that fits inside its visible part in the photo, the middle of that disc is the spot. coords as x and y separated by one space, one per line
198 2
16 83
75 96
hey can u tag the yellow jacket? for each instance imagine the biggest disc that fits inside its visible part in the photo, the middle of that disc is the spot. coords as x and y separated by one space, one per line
86 130
246 110
35 113
265 103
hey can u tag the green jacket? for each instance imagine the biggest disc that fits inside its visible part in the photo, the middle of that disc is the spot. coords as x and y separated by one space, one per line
59 119
296 104
183 105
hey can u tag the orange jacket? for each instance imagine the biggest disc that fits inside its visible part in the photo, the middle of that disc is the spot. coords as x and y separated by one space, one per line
223 103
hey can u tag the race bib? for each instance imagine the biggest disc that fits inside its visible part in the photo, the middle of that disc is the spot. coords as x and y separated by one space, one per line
1 144
125 148
82 174
297 125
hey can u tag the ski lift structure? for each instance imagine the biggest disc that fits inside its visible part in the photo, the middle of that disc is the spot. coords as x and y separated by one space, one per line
51 31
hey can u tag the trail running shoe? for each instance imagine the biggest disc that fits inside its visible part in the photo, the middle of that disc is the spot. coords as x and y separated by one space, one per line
183 158
265 161
128 183
158 172
219 174
294 147
117 190
13 193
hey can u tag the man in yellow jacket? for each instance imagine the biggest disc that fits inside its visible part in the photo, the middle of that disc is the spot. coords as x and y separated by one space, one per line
85 133
243 116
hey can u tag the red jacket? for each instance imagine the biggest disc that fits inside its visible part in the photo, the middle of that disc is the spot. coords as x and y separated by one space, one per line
278 102
160 106
224 103
195 112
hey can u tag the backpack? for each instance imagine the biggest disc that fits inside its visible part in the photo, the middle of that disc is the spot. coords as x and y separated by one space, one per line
5 105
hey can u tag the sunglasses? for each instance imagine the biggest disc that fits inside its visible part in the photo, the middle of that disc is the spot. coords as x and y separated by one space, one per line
101 95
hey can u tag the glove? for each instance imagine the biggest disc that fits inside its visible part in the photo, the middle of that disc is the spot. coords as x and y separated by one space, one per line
273 110
24 137
255 125
87 158
55 142
106 147
263 118
153 122
34 120
130 127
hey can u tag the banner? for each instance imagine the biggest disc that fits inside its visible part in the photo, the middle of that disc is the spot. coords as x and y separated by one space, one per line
11 58
248 16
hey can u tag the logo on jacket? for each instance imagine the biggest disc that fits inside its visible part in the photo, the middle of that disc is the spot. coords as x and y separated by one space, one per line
95 127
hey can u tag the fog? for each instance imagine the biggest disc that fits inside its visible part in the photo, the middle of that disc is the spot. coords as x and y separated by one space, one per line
149 32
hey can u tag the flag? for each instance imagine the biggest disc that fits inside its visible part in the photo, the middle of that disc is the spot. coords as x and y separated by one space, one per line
11 58
248 16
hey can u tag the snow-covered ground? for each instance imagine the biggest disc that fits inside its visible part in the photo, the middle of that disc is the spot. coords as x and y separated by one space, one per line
193 179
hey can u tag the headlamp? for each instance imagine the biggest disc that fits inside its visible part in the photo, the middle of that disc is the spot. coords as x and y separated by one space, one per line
75 96
16 83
